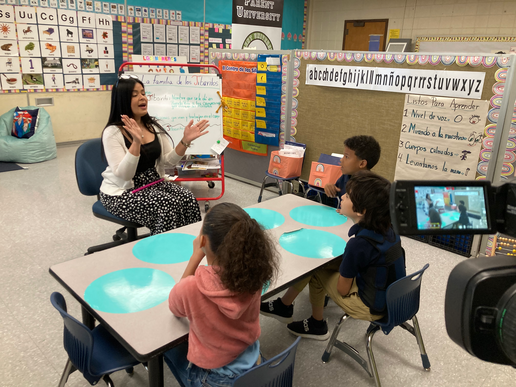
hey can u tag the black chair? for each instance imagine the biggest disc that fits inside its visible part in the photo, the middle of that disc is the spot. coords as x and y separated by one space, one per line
94 353
275 372
89 165
402 305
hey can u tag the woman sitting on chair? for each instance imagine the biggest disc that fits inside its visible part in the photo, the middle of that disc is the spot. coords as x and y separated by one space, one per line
137 150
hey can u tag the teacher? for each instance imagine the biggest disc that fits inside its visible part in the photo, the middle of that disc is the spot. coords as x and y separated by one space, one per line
137 150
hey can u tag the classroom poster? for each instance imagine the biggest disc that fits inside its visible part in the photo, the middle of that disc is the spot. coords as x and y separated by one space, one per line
440 138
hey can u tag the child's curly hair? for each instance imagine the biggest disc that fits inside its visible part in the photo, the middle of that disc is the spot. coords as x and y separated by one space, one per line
245 254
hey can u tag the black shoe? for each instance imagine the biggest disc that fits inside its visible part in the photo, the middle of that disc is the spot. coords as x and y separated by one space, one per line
310 329
278 310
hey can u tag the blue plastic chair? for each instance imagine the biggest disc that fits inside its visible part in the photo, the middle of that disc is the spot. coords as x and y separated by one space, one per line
95 353
275 372
89 165
278 181
402 305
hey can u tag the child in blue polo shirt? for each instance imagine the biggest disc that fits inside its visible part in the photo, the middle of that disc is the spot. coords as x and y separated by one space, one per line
372 260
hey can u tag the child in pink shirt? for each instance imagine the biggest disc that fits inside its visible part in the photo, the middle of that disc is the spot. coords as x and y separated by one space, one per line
222 300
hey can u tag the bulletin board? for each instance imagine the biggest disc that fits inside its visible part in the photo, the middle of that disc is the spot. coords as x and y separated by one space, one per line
323 117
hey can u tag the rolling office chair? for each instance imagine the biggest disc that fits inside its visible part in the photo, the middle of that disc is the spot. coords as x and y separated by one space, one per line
278 181
275 372
94 353
402 305
89 165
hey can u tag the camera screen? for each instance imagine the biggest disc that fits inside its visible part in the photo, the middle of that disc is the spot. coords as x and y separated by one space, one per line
454 207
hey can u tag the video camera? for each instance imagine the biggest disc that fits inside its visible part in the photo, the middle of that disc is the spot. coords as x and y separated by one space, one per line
480 304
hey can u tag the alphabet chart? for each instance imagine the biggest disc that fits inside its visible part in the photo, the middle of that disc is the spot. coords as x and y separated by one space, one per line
47 48
440 138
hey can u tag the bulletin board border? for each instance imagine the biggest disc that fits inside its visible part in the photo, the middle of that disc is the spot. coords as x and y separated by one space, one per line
453 39
487 62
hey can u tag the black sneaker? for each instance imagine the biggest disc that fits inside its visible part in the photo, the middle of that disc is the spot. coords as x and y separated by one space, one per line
278 310
310 329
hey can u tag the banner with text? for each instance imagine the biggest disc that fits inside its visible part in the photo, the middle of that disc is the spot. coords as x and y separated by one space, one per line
462 84
440 138
257 23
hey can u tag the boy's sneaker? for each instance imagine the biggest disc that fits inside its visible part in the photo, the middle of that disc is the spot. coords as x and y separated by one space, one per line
310 329
278 310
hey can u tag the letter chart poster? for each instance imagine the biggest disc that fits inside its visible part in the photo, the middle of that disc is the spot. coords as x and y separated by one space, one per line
440 138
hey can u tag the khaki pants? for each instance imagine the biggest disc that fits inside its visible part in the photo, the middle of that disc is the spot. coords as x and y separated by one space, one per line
324 281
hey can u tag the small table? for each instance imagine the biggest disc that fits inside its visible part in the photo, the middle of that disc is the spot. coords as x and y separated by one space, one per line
149 333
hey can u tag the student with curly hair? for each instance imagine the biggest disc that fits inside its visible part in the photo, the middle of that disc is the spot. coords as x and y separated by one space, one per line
372 260
222 300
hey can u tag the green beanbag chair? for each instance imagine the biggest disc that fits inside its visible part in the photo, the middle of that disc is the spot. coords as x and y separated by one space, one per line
41 146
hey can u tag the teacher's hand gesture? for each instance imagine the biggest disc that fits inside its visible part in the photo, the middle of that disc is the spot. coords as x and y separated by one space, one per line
132 127
194 131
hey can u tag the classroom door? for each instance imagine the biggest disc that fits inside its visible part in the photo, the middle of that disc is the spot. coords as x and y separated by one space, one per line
356 34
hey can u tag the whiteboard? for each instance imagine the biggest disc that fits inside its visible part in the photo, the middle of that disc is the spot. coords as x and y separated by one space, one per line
176 99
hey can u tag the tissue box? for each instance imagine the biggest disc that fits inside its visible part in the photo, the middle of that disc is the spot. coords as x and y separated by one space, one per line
322 174
285 166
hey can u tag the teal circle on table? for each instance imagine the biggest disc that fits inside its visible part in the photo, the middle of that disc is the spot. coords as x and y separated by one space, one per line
313 243
165 248
318 216
266 218
129 290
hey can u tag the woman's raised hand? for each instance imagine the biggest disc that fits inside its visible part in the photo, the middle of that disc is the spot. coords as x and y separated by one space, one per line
194 131
133 129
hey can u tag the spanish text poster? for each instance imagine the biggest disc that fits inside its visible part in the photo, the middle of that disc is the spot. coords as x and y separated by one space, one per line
159 33
440 138
171 34
146 32
195 35
184 32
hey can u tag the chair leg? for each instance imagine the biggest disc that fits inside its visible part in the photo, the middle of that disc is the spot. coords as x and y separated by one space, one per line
372 363
419 338
261 190
69 368
280 189
333 338
108 381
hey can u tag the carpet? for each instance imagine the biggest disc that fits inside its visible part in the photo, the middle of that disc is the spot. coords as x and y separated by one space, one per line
6 167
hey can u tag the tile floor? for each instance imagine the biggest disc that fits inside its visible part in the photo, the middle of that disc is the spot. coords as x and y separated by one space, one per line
44 220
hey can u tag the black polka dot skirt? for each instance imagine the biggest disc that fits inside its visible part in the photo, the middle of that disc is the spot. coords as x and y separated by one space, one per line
160 207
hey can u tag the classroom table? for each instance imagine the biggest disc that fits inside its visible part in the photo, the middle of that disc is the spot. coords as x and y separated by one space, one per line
302 226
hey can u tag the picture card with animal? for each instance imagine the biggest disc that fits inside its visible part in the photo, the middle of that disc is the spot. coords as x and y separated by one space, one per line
104 22
50 49
80 5
73 82
106 51
179 15
145 12
6 14
130 10
165 14
91 81
24 2
71 66
63 4
25 15
43 3
9 65
67 18
33 81
90 65
104 36
8 48
27 32
31 66
8 31
121 9
47 16
98 6
159 13
105 7
89 50
11 81
152 13
71 4
87 35
138 11
70 50
11 1
29 48
114 9
34 3
48 33
69 34
89 5
107 66
52 65
53 81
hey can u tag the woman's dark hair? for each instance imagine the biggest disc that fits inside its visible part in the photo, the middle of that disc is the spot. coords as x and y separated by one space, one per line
365 148
121 96
244 253
369 192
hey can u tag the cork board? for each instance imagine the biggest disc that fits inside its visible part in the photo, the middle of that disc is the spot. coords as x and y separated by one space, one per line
326 116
